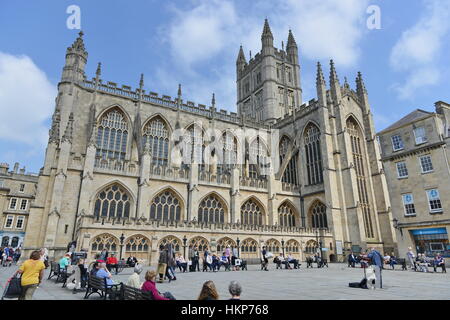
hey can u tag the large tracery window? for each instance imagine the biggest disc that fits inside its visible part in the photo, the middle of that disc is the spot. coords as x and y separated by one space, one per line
356 139
273 246
112 135
156 134
112 202
319 215
194 146
292 246
258 158
251 213
104 241
166 207
175 242
249 246
201 243
229 153
311 247
211 210
290 173
313 155
223 243
286 215
137 244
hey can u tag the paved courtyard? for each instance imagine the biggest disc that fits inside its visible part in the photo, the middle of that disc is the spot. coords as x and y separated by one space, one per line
327 283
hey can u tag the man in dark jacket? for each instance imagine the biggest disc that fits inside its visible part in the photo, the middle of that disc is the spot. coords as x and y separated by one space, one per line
162 263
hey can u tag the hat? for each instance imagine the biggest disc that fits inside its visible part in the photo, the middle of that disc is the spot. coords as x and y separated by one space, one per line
100 261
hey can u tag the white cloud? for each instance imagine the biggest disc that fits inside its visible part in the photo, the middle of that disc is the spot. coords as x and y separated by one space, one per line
26 100
417 51
206 36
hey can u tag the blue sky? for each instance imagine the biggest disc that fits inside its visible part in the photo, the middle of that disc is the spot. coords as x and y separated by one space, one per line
405 64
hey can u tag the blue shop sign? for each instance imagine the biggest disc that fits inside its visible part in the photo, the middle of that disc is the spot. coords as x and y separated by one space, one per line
429 231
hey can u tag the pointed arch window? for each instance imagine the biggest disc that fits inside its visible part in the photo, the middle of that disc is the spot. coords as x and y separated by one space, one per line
319 216
112 135
251 213
112 202
286 215
356 139
258 159
313 155
175 242
211 210
194 146
156 133
229 153
166 207
290 173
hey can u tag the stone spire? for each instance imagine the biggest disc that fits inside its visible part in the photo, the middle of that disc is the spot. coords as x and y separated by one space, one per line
213 100
54 131
335 87
346 85
267 36
98 73
141 81
179 95
360 86
291 41
78 45
321 86
241 62
68 133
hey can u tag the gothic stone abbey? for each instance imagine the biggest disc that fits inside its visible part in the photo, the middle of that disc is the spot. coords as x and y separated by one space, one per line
123 163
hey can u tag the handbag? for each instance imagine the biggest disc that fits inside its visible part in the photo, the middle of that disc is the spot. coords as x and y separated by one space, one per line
13 287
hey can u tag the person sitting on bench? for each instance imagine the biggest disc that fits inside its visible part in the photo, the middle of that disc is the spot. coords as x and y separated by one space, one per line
309 262
291 259
393 261
351 260
111 262
439 262
224 262
181 263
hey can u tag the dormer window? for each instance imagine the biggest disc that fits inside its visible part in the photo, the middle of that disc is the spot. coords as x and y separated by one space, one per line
419 134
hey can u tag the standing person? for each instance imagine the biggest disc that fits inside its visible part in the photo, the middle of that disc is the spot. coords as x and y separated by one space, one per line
196 260
207 260
1 255
234 257
32 271
264 257
208 292
410 255
83 273
17 255
377 263
191 258
228 254
171 262
44 256
162 263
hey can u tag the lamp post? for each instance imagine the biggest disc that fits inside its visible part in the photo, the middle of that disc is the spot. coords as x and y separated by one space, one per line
184 246
282 245
238 241
122 238
319 243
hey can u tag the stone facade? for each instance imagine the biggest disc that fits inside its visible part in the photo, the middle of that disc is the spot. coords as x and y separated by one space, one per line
415 155
17 191
113 166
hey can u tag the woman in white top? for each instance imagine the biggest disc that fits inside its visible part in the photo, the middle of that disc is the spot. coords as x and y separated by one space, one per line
134 280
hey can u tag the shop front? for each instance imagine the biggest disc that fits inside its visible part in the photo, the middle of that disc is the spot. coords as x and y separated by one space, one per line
431 241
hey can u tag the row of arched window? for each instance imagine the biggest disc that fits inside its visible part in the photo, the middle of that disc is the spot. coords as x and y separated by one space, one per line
113 130
114 202
139 245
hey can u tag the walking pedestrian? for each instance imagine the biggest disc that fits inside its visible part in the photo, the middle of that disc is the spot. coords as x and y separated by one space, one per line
377 263
411 258
32 271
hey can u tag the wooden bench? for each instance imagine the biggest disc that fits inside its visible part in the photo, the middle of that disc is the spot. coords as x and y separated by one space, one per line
55 270
100 286
131 293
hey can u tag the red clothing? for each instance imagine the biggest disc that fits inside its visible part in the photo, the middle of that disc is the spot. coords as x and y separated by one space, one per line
151 286
111 260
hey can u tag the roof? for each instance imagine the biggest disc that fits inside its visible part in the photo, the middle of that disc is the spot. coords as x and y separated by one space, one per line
416 115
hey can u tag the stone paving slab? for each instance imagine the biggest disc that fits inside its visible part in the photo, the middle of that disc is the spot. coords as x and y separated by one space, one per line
304 284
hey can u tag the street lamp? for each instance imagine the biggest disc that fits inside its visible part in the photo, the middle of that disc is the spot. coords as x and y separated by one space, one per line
122 238
282 245
238 241
184 245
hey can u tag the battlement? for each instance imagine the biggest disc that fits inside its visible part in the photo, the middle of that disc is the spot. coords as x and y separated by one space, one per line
300 111
166 101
